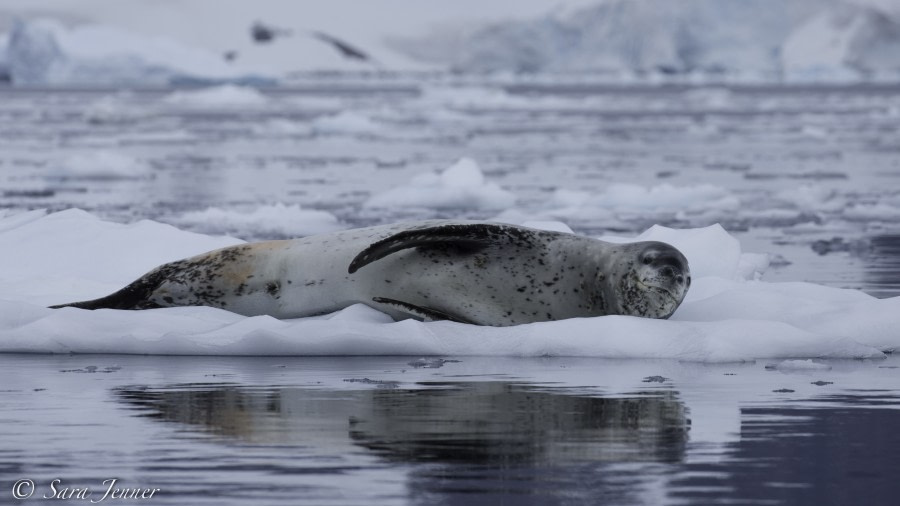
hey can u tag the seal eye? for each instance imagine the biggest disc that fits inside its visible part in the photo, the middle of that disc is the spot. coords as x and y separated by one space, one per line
647 260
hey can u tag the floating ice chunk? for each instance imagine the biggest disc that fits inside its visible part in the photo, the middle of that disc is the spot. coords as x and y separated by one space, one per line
282 127
801 365
218 97
461 186
99 165
704 202
345 122
812 198
881 211
202 330
111 109
709 97
276 220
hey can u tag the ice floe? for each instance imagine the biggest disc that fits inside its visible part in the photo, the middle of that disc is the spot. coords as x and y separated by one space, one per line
72 255
345 122
276 220
98 165
462 185
222 96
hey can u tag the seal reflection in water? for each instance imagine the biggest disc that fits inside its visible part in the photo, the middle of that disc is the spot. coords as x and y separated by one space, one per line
473 272
446 422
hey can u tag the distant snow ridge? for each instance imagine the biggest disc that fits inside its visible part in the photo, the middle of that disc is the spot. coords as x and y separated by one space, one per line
768 38
276 221
460 186
46 53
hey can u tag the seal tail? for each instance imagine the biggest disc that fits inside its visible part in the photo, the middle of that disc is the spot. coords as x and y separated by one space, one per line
134 296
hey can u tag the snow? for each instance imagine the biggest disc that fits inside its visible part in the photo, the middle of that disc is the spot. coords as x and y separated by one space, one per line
72 255
276 220
462 185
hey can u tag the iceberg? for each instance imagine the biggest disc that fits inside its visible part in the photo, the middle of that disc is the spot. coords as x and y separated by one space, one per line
759 39
727 316
44 52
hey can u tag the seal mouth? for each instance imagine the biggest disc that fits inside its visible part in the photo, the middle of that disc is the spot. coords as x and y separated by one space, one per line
665 301
656 288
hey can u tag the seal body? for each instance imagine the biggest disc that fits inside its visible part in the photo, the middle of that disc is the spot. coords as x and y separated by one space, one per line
474 272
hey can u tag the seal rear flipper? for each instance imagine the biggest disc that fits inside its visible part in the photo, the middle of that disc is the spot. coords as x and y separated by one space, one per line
134 296
425 313
469 238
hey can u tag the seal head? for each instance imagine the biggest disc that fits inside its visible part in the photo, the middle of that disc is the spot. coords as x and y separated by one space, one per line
654 282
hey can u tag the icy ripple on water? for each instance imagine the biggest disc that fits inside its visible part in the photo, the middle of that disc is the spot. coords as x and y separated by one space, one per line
72 255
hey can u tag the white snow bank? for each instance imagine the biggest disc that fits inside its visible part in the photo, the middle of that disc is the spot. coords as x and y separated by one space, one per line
73 256
222 96
46 53
462 185
276 220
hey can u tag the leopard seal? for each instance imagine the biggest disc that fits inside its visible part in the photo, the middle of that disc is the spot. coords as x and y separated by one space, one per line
475 272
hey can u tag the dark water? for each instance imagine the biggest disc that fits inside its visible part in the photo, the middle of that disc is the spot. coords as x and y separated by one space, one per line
380 430
385 430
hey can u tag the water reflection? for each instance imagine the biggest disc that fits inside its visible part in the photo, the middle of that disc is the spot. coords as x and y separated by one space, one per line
478 422
883 265
453 442
497 422
835 450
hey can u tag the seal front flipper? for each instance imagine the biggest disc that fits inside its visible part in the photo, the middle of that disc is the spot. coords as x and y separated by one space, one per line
469 238
425 313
